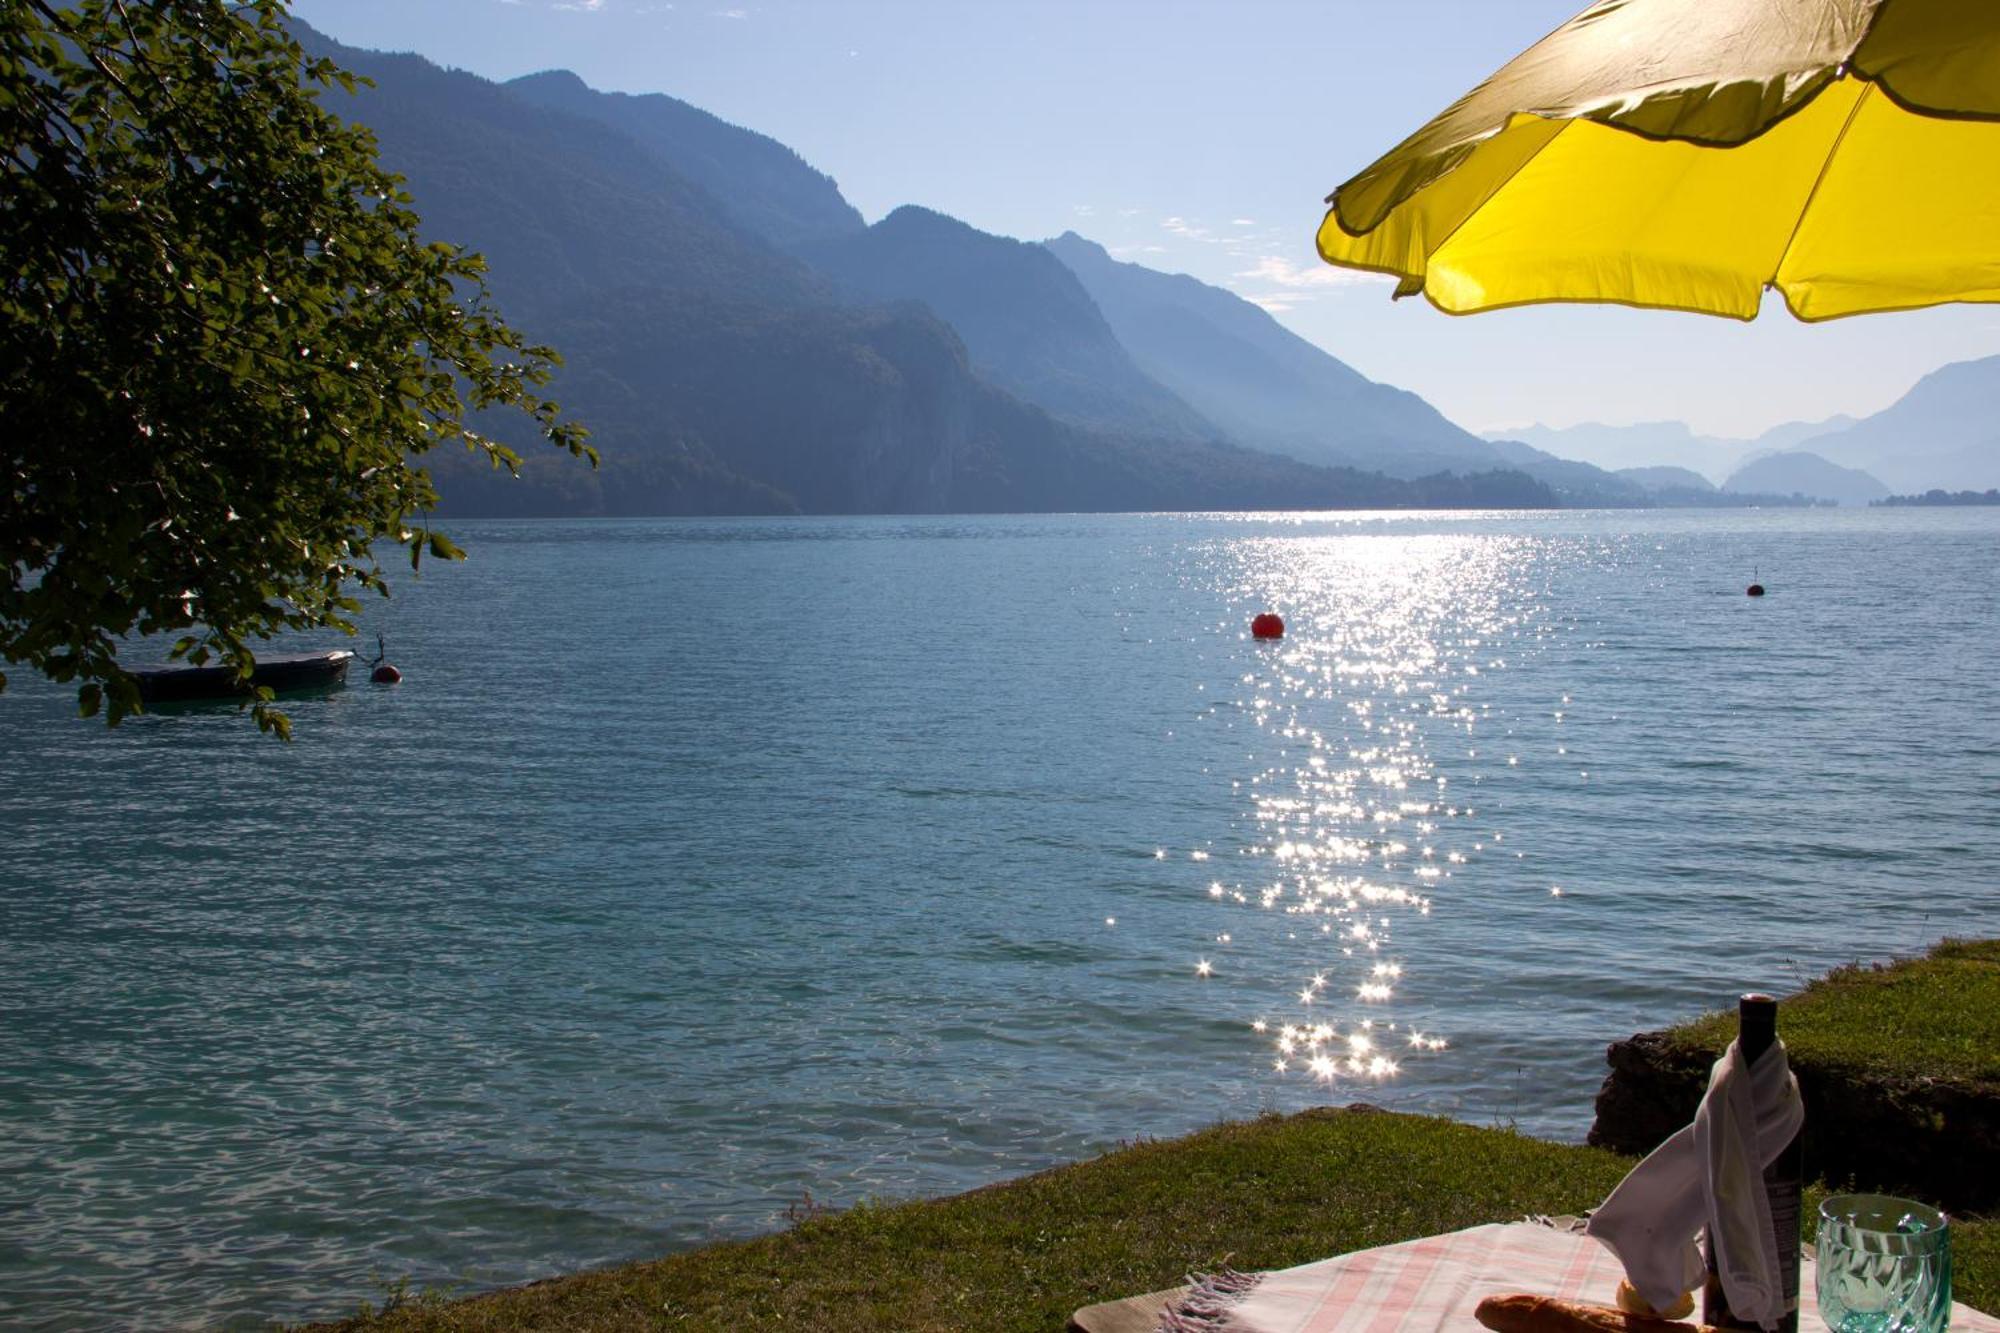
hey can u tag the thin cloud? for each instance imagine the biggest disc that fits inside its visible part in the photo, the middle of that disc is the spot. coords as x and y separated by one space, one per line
1303 283
1195 231
581 6
732 13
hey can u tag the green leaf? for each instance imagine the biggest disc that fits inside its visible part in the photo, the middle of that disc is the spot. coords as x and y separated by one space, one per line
443 547
224 335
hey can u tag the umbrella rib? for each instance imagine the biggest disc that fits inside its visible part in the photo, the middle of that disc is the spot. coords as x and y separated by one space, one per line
1490 195
1833 149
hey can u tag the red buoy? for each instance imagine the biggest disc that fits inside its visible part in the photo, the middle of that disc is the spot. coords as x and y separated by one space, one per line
1267 626
1754 590
384 674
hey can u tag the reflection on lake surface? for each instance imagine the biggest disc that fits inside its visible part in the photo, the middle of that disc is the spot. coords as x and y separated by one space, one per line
1356 828
701 864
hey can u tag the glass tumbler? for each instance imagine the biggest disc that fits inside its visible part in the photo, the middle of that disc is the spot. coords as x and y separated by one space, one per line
1884 1265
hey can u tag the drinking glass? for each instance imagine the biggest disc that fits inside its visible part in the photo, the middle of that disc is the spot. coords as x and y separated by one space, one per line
1884 1265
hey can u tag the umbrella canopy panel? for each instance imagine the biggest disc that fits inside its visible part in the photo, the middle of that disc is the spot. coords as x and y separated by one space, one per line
1688 155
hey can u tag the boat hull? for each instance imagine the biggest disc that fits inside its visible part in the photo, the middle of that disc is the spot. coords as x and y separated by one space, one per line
288 674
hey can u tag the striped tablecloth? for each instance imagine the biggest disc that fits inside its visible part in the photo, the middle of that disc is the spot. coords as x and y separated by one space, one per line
1433 1284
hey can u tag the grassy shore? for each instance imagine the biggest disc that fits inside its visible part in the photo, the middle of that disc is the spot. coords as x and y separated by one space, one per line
1269 1193
1935 1017
1022 1255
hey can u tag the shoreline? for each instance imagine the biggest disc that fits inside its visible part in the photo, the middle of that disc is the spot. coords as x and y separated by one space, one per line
1020 1256
1025 1253
1273 1192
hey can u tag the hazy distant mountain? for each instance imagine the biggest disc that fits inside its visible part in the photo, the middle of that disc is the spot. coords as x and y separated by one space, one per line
1026 320
1645 444
1584 484
1264 385
759 181
720 374
1667 479
1797 472
558 204
1792 434
1944 433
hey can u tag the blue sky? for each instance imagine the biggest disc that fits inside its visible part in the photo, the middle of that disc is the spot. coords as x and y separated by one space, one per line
1190 137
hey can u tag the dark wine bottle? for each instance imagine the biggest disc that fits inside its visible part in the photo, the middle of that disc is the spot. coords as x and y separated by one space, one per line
1756 1030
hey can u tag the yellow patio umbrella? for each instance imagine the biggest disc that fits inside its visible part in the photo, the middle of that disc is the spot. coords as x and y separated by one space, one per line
1687 154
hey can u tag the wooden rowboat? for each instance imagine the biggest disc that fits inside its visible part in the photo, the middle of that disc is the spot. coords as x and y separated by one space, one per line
286 673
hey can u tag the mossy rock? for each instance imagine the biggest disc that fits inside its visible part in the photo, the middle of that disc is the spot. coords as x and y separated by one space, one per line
1899 1067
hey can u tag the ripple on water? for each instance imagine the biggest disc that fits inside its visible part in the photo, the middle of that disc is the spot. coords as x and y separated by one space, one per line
699 865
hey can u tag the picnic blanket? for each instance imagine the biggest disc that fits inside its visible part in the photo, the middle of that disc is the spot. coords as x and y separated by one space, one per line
1416 1287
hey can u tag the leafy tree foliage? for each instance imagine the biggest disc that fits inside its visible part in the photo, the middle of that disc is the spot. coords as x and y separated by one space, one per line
223 344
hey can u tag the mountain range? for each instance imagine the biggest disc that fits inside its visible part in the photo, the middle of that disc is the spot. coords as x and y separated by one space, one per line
1800 472
1264 385
1942 434
740 340
1027 322
1659 444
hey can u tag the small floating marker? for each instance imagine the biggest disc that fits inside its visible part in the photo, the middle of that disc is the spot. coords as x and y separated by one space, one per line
1267 625
383 673
1754 590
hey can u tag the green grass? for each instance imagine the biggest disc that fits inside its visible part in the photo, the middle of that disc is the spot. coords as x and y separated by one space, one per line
1975 1264
1268 1193
1935 1017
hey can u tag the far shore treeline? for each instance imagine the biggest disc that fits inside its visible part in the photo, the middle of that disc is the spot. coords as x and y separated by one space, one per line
1936 496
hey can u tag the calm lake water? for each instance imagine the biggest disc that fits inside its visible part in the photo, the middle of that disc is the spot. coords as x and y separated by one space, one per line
699 865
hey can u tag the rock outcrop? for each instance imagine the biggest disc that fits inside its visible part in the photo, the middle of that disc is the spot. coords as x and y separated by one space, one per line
1933 1139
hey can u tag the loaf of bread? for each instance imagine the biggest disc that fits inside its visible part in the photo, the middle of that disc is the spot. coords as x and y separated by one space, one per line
1629 1299
1546 1314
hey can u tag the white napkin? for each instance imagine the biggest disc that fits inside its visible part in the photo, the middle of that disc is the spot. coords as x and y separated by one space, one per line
1711 1174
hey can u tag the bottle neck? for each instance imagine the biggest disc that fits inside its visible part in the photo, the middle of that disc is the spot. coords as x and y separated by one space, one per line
1756 1025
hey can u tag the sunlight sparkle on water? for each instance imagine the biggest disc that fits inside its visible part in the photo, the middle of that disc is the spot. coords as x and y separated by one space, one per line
1345 732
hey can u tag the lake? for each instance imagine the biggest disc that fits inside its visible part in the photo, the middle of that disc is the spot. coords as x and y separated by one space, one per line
699 867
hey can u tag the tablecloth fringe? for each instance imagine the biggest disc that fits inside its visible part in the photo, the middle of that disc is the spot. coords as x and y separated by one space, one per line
1210 1300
